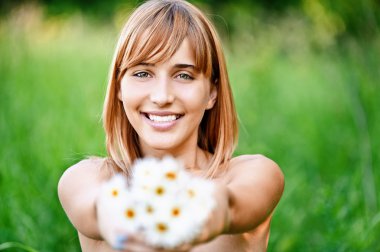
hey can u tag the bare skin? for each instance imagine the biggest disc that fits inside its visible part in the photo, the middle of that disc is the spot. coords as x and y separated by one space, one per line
252 187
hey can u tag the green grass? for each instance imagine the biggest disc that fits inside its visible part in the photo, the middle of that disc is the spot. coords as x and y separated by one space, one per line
313 109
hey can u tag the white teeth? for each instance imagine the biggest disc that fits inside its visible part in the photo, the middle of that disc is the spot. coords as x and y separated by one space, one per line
167 118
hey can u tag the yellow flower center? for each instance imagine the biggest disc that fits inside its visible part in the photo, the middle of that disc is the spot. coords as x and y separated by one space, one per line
161 227
191 193
149 209
171 175
115 192
176 212
160 190
130 213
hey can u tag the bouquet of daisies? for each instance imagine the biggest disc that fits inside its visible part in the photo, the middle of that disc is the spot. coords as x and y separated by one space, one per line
163 202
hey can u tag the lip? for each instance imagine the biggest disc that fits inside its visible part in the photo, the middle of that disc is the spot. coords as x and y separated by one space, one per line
161 113
161 126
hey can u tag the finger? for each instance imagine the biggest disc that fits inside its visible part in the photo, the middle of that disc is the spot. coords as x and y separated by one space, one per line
142 246
184 248
133 243
136 247
120 242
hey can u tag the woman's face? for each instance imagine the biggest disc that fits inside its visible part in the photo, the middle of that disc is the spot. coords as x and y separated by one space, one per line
165 102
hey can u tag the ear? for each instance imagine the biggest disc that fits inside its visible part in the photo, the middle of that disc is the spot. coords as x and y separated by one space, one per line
212 97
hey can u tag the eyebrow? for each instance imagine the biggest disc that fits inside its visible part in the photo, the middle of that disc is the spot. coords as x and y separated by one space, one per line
180 66
185 66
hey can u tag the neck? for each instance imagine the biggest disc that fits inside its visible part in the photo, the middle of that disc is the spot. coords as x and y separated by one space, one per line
194 158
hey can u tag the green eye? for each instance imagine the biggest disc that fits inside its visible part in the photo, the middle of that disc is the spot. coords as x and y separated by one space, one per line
142 75
185 76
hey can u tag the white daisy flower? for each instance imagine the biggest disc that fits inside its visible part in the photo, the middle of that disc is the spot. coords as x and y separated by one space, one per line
112 208
173 171
198 194
170 225
144 172
157 190
147 210
131 216
163 202
114 189
157 178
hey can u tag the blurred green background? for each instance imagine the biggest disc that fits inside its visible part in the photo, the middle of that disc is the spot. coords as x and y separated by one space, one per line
306 79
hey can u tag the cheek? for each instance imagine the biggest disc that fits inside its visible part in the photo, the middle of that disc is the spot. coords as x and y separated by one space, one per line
131 103
195 98
130 96
128 102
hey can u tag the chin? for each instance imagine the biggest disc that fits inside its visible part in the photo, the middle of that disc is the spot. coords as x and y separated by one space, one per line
161 145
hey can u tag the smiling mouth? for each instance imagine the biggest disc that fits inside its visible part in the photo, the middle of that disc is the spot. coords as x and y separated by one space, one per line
162 118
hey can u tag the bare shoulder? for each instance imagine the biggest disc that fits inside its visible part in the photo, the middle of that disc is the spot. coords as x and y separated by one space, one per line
90 167
82 173
258 173
257 164
77 190
257 169
254 159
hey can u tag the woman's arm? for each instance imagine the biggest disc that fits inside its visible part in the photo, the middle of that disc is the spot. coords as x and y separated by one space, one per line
246 197
77 190
255 186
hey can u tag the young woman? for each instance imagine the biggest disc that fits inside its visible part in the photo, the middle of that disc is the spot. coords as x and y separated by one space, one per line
169 94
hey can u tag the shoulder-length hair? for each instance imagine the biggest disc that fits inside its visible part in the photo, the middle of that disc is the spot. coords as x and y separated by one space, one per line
152 34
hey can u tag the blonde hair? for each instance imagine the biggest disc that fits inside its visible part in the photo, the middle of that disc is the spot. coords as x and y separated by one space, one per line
152 34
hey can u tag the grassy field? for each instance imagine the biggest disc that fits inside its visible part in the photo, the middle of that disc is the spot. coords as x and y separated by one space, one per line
311 105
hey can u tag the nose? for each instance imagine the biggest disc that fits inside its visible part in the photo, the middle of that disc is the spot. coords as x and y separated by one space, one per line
161 93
